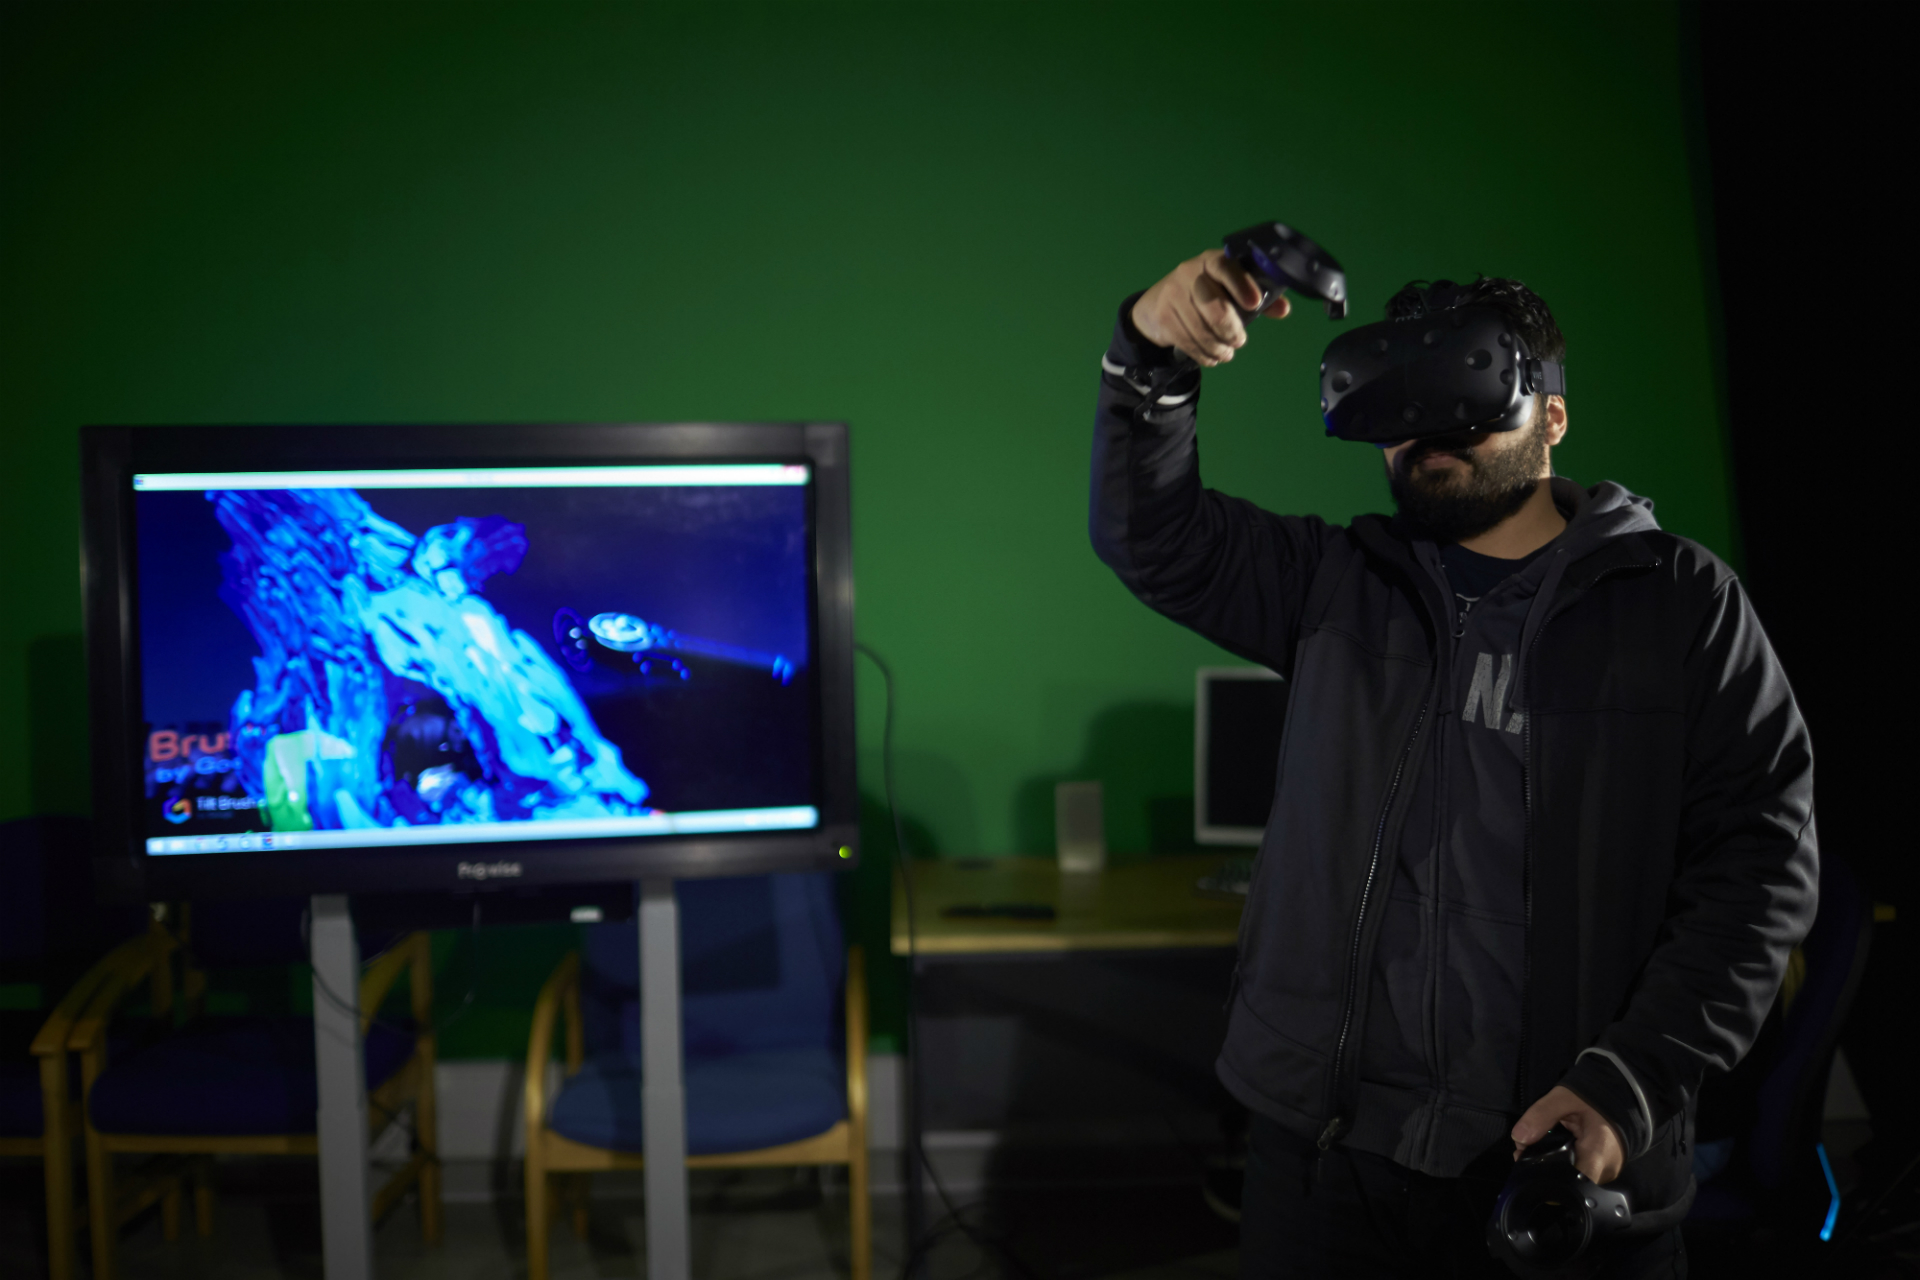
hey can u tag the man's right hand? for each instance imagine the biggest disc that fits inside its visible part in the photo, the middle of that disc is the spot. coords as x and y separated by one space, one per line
1191 308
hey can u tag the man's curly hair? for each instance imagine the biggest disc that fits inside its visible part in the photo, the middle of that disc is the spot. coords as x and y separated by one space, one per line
1524 309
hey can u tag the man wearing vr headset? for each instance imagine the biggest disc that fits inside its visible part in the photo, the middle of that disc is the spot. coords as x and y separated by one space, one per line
1542 836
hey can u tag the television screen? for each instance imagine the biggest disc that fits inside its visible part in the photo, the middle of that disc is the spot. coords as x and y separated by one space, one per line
469 658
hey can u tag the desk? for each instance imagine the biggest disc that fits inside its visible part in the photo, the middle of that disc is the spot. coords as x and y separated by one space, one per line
1147 906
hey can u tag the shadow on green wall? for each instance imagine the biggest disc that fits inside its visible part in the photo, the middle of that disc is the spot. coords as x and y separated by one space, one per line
937 791
1142 754
57 724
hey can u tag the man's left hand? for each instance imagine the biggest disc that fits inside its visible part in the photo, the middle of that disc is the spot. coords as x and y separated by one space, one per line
1597 1149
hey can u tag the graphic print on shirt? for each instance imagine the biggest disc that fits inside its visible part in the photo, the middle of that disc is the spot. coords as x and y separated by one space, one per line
1490 692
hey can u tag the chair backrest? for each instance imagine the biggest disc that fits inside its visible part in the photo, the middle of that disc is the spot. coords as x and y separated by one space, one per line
257 931
762 962
1792 1097
248 932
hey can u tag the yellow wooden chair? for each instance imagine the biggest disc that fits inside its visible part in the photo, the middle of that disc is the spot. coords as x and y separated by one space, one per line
245 1087
60 1108
765 1079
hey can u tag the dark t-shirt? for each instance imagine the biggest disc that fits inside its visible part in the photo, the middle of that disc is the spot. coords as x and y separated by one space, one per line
1472 575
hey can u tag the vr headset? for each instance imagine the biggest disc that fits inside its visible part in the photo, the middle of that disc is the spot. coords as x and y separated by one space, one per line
1456 368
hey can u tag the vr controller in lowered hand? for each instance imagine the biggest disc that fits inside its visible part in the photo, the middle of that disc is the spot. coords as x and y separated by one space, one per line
1280 258
1551 1218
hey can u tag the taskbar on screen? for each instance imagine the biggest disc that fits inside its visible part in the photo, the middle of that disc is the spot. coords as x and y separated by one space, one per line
709 822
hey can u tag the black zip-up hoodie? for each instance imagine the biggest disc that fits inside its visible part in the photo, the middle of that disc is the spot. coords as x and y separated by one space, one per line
1668 854
1439 1053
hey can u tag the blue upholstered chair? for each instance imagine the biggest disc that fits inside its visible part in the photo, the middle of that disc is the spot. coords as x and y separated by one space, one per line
49 932
775 1033
1772 1167
244 1085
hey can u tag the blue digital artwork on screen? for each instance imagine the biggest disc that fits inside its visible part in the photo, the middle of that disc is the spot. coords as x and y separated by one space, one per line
425 664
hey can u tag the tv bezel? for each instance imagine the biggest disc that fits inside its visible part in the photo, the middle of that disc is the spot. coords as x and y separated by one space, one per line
112 455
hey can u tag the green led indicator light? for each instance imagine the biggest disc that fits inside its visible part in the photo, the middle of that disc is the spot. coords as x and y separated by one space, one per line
846 851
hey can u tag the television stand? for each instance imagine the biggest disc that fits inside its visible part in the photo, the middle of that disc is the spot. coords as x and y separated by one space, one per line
663 1099
346 1222
345 1218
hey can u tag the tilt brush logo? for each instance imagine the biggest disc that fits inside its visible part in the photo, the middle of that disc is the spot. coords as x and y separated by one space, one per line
179 809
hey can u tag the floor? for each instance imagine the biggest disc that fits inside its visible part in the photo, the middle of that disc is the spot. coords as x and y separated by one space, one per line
1058 1215
747 1225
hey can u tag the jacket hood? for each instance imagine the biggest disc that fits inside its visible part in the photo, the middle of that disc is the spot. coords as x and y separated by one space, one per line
1594 515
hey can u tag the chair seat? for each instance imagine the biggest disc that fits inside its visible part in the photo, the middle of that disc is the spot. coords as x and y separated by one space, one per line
19 1074
741 1102
227 1077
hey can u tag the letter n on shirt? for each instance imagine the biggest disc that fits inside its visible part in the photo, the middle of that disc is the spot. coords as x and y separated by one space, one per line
1490 692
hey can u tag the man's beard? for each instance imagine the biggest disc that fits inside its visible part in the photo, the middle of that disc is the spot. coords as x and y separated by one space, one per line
1460 503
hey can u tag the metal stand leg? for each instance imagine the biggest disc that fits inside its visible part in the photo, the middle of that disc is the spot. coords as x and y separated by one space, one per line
663 1099
346 1225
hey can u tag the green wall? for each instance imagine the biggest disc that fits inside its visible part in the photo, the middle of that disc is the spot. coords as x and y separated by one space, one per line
917 218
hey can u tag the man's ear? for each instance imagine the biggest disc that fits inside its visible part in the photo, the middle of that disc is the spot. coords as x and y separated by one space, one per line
1556 420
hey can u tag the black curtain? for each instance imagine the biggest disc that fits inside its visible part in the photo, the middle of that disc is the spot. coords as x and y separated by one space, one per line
1803 148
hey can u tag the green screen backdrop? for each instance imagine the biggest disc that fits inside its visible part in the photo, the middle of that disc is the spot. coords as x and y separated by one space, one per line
918 218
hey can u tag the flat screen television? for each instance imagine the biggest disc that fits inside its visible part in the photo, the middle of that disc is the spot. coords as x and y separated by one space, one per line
1239 713
394 659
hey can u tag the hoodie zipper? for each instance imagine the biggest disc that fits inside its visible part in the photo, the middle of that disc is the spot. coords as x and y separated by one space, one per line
1338 1121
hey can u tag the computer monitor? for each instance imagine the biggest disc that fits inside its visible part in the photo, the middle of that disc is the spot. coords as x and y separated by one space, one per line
1238 715
394 659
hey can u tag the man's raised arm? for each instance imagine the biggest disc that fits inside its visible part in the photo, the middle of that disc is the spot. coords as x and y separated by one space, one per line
1227 569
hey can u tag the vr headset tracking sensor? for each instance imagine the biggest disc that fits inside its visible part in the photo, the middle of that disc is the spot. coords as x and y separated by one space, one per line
1460 368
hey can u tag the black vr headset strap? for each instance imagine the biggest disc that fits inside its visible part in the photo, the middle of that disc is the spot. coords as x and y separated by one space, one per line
1165 386
1546 377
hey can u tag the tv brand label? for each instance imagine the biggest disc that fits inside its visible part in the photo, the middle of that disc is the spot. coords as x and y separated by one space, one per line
489 870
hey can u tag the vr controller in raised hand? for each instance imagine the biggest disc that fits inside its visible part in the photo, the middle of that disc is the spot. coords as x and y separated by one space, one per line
1278 258
1202 307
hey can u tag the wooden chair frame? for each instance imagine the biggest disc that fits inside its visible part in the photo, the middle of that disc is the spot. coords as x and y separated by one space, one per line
549 1153
109 1207
60 1109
